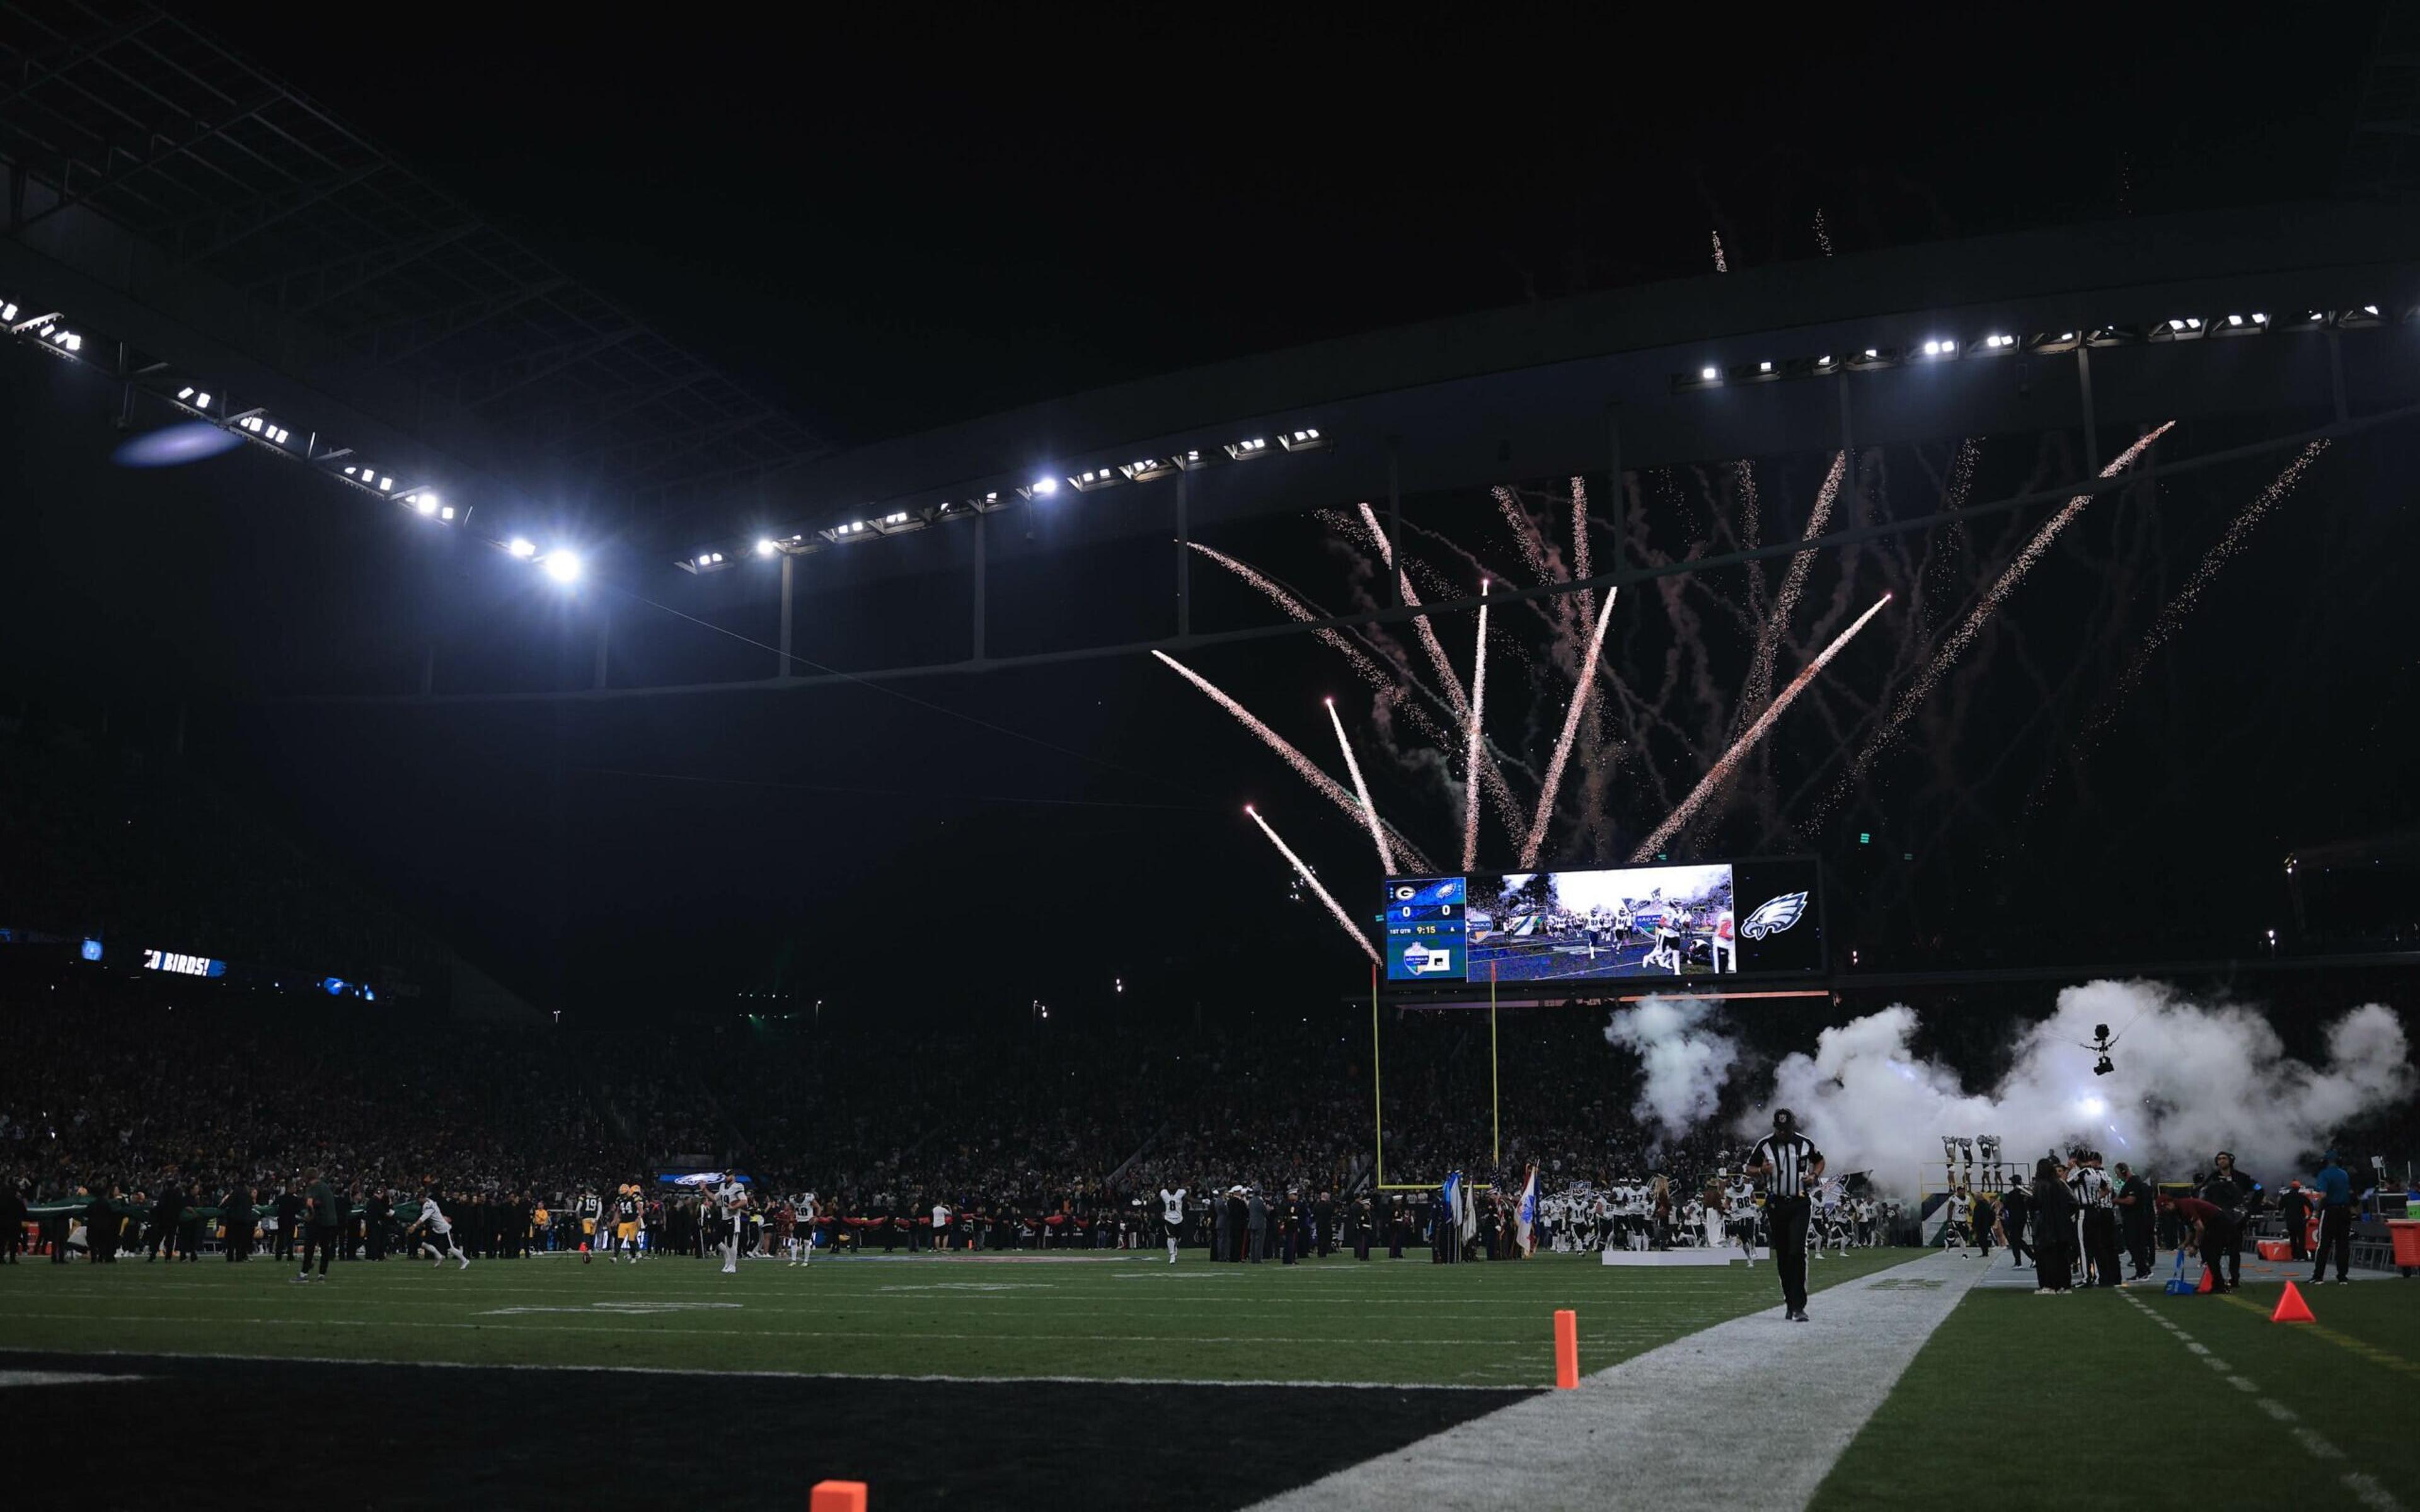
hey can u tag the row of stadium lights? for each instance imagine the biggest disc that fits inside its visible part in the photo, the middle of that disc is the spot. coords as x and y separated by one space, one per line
560 563
1045 485
1944 348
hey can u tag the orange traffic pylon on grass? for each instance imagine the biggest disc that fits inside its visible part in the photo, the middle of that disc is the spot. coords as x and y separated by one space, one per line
2291 1308
2208 1281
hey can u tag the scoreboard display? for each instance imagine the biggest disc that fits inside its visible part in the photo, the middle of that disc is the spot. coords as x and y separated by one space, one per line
1760 918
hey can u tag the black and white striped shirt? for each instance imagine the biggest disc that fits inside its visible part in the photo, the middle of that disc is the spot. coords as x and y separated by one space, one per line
1790 1156
2091 1188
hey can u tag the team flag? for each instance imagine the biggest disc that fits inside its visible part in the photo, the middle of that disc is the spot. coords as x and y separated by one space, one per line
1525 1215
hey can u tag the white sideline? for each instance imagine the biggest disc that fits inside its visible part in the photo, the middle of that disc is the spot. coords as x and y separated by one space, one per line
1748 1413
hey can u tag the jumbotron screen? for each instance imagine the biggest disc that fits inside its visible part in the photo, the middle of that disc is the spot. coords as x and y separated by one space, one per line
1749 918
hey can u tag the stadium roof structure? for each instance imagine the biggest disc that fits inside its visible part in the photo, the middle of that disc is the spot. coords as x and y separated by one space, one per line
234 235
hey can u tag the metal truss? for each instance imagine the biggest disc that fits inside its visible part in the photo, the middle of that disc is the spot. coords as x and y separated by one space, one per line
125 111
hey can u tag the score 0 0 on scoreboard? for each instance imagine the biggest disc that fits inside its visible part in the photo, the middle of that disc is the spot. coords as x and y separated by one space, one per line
1426 935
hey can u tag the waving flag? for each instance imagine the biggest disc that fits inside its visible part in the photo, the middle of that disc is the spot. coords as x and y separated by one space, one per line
1525 1215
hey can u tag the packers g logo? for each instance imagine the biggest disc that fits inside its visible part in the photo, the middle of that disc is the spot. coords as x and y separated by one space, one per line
1775 915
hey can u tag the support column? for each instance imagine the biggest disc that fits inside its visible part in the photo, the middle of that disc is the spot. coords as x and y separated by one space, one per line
2091 423
1848 446
982 525
1618 500
1184 557
1395 522
788 561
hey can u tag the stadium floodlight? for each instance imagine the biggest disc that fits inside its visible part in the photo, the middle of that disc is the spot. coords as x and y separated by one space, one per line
2178 328
1092 478
1872 356
426 502
767 546
1999 342
1251 447
1306 440
8 311
386 485
1193 457
2360 316
1938 348
521 547
1765 367
202 401
185 393
1708 374
2113 336
561 565
446 513
1143 470
2239 325
1041 487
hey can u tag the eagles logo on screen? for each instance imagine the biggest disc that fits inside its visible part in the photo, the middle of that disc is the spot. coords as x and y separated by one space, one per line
1775 915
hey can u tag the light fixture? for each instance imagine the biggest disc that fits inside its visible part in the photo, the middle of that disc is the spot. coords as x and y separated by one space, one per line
1092 478
8 311
1041 487
1244 451
1143 470
446 513
1765 367
561 565
1193 457
386 485
1305 440
426 502
1940 349
185 393
1708 375
522 548
767 546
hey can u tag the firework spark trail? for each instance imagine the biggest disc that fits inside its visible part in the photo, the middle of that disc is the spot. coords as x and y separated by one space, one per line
1327 786
1344 921
1295 608
1477 748
2172 614
1454 697
1553 785
1525 533
1369 810
1720 266
1721 771
1580 555
1993 598
1822 233
1785 603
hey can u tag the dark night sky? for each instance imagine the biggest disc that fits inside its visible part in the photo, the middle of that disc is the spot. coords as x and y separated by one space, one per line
891 226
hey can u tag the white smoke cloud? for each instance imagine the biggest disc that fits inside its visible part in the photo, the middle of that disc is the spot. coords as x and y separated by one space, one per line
1686 1061
2190 1080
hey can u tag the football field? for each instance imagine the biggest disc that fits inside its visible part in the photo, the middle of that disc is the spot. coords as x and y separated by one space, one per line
1047 1380
1084 1314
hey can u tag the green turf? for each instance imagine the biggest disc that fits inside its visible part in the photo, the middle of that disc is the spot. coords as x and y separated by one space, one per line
1396 1322
2010 1386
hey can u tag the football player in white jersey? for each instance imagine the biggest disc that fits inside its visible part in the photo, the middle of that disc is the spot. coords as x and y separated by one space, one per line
803 1236
733 1199
1172 1212
440 1232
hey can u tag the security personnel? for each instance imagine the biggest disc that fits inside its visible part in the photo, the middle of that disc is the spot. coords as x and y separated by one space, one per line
2135 1218
1790 1165
2240 1195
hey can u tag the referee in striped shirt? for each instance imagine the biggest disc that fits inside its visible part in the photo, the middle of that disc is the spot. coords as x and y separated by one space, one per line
1790 1165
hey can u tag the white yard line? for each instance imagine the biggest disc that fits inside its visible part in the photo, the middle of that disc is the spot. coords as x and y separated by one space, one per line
1748 1413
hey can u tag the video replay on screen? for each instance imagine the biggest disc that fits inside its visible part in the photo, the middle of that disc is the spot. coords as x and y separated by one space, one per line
1718 919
